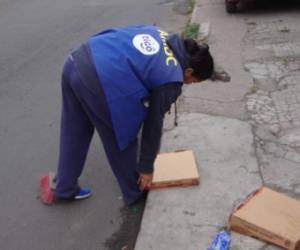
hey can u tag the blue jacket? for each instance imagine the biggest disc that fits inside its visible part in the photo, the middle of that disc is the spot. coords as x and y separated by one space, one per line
130 62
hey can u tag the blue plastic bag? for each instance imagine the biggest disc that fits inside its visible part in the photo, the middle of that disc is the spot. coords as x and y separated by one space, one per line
221 241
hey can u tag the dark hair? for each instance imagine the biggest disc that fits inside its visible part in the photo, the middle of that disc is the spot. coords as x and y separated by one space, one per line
199 59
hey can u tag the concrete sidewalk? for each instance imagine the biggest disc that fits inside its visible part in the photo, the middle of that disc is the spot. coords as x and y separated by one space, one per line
244 134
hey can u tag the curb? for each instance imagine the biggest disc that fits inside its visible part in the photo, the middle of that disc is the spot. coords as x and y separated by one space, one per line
204 28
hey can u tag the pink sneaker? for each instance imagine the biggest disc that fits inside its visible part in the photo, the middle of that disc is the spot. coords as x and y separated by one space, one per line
46 189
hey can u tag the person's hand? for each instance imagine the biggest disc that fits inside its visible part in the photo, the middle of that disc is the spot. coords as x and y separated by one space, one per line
145 181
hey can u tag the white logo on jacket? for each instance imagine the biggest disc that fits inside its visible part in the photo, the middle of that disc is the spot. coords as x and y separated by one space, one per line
146 44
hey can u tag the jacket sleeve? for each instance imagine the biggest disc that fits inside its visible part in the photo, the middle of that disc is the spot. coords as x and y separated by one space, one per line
160 101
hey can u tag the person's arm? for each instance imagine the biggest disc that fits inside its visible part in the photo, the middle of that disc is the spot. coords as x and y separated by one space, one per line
160 101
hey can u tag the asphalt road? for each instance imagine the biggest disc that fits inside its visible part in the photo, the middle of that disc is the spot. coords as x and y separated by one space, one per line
35 37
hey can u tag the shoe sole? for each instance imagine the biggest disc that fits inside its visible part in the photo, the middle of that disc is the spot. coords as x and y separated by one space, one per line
81 197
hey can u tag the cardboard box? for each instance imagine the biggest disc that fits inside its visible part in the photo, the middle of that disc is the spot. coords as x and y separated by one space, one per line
175 169
269 216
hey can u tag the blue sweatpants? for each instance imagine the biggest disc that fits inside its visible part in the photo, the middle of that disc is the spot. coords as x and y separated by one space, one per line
84 108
